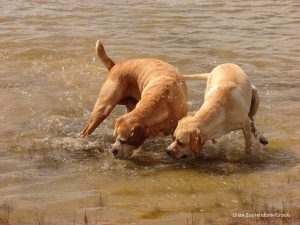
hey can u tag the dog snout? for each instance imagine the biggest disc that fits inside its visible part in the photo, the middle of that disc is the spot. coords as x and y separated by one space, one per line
168 151
184 156
115 151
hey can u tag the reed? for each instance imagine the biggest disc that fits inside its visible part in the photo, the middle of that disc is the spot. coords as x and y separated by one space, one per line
5 218
193 220
39 218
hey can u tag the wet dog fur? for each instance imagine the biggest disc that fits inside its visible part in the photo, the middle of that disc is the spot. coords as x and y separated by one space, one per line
230 102
154 94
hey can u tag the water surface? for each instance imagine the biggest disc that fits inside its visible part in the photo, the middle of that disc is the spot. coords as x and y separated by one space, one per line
50 79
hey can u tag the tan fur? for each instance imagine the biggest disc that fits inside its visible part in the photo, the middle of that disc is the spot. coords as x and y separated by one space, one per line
154 94
230 102
103 57
201 76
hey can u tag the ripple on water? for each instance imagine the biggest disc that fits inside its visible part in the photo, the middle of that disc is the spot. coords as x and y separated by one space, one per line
34 53
224 158
50 79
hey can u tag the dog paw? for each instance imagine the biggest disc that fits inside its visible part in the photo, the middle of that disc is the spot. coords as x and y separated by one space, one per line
263 140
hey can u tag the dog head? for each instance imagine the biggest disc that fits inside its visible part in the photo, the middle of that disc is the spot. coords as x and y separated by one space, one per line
187 140
129 136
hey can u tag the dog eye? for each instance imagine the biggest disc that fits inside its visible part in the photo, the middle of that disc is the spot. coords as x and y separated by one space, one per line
122 141
179 142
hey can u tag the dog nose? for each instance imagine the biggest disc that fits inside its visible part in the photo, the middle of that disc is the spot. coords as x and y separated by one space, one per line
184 156
115 151
168 151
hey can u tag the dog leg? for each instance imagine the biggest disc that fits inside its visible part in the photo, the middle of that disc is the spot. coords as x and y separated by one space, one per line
247 135
110 94
253 128
263 140
129 103
253 109
130 107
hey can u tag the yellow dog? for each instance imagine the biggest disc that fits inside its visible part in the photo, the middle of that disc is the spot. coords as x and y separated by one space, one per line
230 102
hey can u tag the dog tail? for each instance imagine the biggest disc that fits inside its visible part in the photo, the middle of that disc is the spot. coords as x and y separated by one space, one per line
201 76
254 102
103 57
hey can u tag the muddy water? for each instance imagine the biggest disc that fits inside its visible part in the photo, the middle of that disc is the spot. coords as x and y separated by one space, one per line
50 80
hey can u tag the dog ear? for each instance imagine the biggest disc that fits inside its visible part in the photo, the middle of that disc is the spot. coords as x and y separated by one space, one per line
138 134
195 141
137 129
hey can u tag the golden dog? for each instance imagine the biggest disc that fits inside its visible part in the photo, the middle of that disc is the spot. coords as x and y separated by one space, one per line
230 102
154 93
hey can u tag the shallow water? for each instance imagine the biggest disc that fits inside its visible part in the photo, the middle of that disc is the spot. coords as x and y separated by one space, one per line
50 78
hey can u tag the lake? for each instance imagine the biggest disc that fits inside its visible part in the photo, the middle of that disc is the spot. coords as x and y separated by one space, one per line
49 81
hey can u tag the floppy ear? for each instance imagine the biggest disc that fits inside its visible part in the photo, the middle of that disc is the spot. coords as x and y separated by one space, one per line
138 134
195 141
137 130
